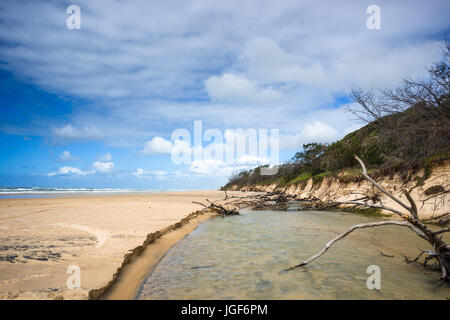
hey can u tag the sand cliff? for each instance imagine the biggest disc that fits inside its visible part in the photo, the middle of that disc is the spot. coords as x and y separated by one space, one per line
427 195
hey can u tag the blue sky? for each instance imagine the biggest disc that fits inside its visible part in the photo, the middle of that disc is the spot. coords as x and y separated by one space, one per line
96 107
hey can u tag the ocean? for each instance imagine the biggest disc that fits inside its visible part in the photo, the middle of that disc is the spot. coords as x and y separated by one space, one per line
39 192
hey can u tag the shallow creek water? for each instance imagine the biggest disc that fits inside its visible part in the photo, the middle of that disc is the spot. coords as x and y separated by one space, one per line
243 257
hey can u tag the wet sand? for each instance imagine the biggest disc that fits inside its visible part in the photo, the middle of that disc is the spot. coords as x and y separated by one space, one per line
41 237
134 273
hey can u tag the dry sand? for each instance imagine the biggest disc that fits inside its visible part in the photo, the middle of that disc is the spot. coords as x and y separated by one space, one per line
41 238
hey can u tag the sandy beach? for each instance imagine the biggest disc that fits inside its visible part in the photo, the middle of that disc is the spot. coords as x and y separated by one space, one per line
42 237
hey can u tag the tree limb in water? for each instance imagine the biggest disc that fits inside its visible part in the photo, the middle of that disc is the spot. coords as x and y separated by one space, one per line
415 229
346 233
431 254
218 208
372 205
441 249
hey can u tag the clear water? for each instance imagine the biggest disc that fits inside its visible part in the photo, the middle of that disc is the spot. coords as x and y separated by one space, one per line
243 257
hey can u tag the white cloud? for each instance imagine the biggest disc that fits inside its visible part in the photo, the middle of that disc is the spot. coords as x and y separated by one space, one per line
66 156
264 59
212 152
312 132
210 167
144 76
219 168
106 157
157 145
112 59
232 88
69 132
360 63
182 147
251 160
139 172
157 174
70 171
320 132
180 174
102 166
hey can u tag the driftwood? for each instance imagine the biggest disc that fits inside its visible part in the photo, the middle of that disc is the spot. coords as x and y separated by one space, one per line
275 200
222 210
386 255
410 219
219 208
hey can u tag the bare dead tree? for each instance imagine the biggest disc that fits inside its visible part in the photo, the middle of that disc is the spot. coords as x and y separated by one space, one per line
417 113
432 93
410 219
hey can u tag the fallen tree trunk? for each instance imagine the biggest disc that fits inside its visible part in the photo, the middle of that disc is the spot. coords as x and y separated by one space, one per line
441 251
346 233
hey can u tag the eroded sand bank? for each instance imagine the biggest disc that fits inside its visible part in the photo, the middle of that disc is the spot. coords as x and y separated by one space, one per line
41 238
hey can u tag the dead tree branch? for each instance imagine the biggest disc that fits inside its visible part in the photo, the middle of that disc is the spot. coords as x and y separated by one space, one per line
411 219
363 166
346 233
218 208
372 205
431 255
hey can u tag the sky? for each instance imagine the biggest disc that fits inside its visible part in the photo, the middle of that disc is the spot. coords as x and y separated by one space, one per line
97 107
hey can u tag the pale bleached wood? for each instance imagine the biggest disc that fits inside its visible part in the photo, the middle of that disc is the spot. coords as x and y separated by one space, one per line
363 166
346 233
411 220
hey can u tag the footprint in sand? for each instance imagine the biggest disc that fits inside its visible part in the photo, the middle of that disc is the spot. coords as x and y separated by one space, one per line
102 235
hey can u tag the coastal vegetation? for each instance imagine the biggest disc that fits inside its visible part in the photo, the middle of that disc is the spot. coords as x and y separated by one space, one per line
440 252
408 128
